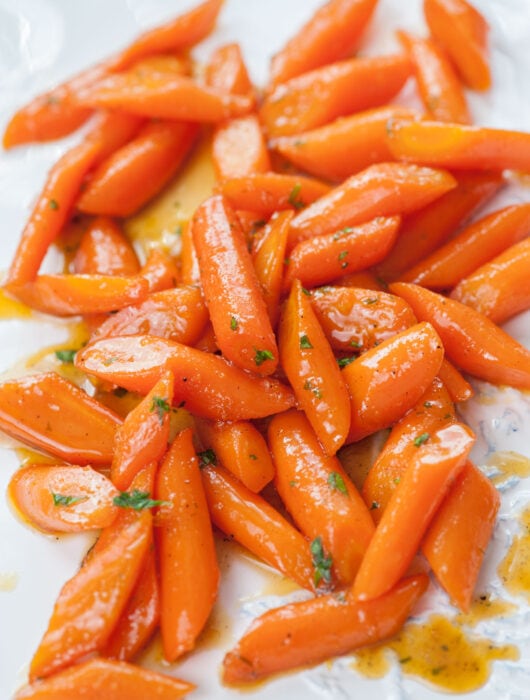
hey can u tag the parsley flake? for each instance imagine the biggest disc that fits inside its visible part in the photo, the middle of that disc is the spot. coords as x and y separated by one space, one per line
161 406
137 500
321 562
53 204
305 343
60 499
66 356
234 323
336 482
252 456
421 439
262 356
294 197
206 458
345 361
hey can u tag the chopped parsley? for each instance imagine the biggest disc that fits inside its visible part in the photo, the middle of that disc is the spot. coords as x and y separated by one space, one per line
234 323
66 356
137 500
421 439
336 482
207 457
321 562
53 204
308 386
342 255
161 406
252 456
262 356
345 361
305 343
374 506
294 197
60 499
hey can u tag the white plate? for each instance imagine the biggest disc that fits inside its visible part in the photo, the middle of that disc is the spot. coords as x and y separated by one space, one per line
43 41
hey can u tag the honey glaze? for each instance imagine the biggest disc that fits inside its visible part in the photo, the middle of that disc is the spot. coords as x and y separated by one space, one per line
514 570
10 308
507 466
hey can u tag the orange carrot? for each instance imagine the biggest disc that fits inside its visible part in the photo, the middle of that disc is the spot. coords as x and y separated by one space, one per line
112 130
226 71
105 250
189 265
160 271
239 148
458 387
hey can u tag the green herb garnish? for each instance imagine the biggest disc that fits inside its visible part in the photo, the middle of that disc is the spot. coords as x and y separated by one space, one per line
66 356
305 343
60 499
421 439
321 562
336 482
161 406
137 500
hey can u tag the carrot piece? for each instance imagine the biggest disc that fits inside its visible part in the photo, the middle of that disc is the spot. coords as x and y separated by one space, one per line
254 523
463 32
269 261
474 246
355 320
424 230
135 173
324 258
473 342
226 71
105 250
330 34
430 473
457 538
144 434
311 631
440 89
189 265
231 289
90 603
384 189
206 384
459 388
340 149
112 130
319 495
458 146
342 88
308 361
189 574
63 498
113 680
266 193
402 368
239 148
241 449
177 314
432 412
26 414
501 288
364 279
160 271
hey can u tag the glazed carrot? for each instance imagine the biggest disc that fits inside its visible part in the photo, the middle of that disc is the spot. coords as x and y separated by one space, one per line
114 680
342 88
463 32
501 288
355 320
340 149
90 603
160 271
473 342
424 230
251 521
330 34
177 314
428 477
205 383
226 71
323 259
231 289
105 250
269 261
457 538
77 428
135 173
240 448
388 380
189 265
476 245
311 631
112 130
432 412
266 193
320 497
458 387
308 361
364 279
384 189
144 434
163 63
239 148
63 498
440 89
459 147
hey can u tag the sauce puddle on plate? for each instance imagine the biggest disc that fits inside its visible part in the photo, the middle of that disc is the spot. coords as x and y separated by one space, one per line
514 570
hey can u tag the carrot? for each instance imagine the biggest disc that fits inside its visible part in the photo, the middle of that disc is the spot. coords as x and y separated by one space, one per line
113 680
322 500
473 342
188 566
226 71
422 231
440 89
463 32
239 148
63 498
231 290
135 173
112 130
206 384
459 147
90 603
311 631
342 88
384 189
425 482
355 320
364 279
324 258
240 448
251 521
160 271
500 288
308 361
26 414
189 265
458 387
457 538
402 368
105 250
340 149
476 245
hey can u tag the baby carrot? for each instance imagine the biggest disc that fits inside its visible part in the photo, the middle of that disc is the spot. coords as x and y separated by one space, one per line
226 71
105 250
239 148
160 271
189 265
458 387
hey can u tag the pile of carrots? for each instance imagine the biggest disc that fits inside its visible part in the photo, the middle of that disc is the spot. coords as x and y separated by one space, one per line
330 288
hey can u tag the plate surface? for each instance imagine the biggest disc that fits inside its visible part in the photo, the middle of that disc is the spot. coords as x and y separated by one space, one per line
43 41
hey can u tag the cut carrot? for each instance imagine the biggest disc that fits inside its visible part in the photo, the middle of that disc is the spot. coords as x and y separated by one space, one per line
112 130
226 71
189 265
458 387
160 271
239 148
105 250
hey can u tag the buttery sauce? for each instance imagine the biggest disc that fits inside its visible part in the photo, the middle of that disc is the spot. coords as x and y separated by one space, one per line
485 608
11 308
358 457
514 570
507 466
